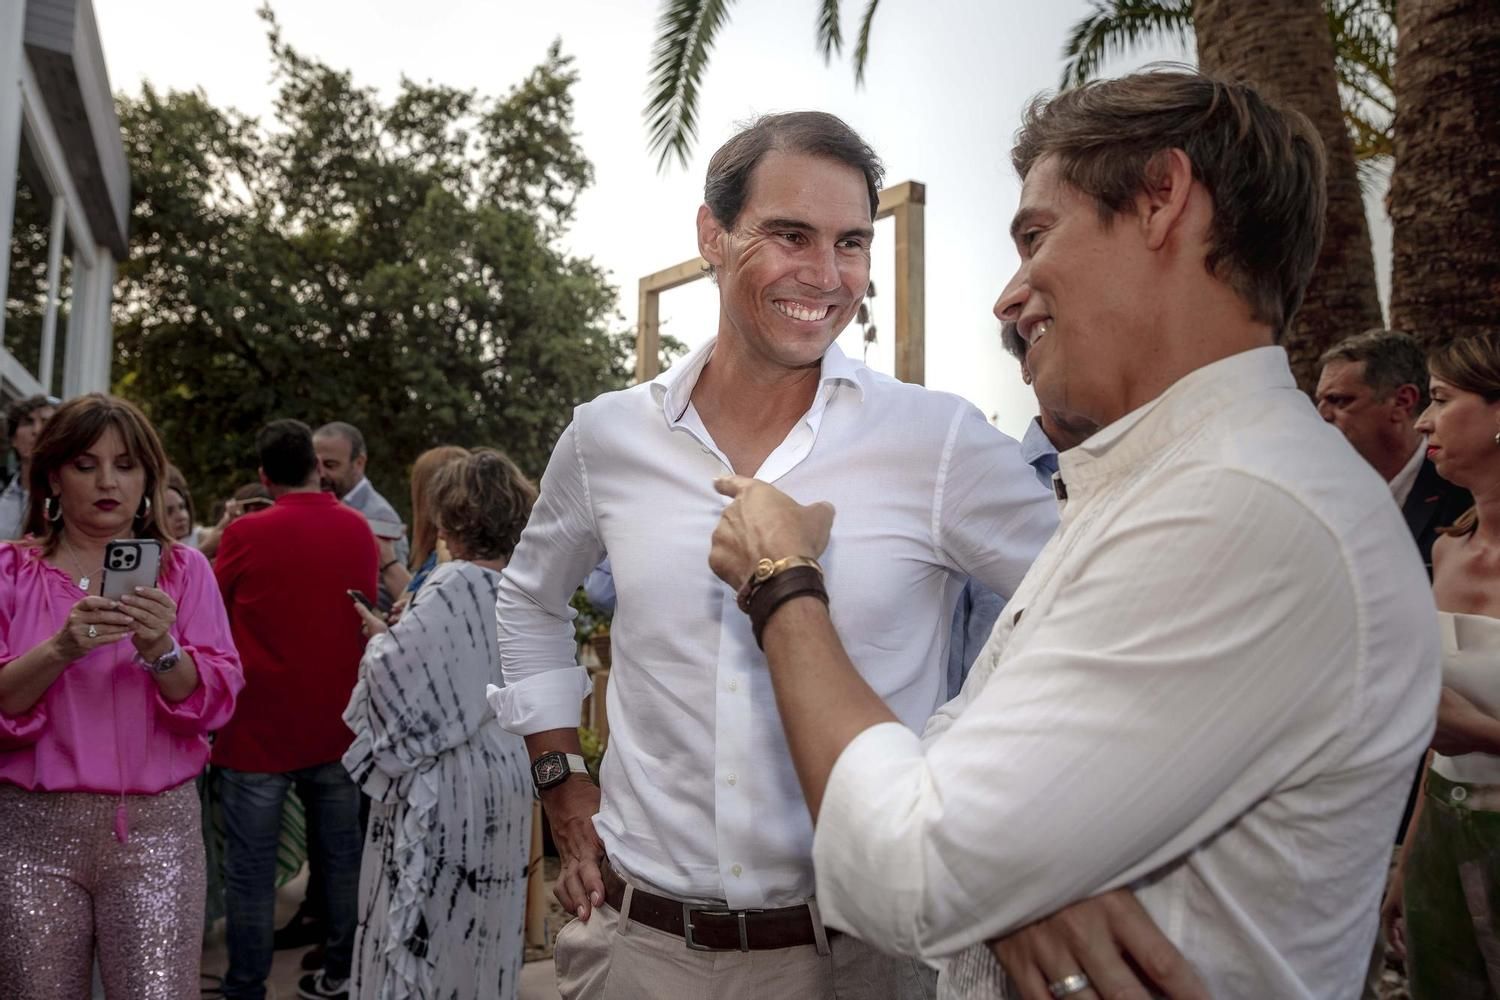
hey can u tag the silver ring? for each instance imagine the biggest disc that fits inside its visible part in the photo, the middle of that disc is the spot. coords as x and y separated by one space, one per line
93 632
1068 985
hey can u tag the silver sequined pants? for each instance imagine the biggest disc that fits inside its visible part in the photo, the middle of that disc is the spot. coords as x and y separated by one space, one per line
68 886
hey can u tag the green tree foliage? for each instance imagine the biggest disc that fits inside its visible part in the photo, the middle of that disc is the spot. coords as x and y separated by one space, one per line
1363 33
393 263
1364 49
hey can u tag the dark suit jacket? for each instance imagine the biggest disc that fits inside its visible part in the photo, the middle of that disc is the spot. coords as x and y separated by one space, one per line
1433 503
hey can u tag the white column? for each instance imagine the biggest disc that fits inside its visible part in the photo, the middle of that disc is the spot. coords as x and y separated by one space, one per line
82 316
12 55
99 335
55 241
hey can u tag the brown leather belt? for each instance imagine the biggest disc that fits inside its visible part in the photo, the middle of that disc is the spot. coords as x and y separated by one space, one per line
710 929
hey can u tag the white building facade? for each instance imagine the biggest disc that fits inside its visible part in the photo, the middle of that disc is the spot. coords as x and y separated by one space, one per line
64 200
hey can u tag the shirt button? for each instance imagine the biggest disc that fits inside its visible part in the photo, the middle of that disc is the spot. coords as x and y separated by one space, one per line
1457 794
732 779
736 870
734 685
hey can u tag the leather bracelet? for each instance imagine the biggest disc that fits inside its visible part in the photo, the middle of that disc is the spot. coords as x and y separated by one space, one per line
764 570
798 581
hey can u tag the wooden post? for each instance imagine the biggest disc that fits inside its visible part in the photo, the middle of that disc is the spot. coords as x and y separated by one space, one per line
908 207
601 711
906 202
536 884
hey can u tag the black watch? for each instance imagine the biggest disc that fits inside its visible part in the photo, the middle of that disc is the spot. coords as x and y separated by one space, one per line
553 768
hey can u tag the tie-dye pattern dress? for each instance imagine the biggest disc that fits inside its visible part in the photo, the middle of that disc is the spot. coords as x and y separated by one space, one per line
443 882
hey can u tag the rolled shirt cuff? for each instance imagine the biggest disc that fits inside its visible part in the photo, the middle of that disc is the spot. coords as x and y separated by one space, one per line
543 701
867 849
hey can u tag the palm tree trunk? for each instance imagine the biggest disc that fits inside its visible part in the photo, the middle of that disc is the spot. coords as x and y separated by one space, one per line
1445 192
1283 48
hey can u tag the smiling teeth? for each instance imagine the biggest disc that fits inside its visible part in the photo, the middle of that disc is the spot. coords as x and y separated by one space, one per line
798 312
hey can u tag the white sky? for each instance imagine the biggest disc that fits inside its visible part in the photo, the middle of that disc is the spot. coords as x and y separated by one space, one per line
944 88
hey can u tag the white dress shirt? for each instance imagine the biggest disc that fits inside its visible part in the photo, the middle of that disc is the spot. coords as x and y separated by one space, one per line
1223 674
1402 484
700 798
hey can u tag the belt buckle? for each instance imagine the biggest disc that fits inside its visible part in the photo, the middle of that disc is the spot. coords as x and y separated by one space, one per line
687 926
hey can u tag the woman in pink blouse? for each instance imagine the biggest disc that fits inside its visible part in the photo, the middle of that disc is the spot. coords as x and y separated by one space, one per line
105 707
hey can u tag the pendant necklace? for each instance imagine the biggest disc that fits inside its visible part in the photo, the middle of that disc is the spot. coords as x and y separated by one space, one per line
84 579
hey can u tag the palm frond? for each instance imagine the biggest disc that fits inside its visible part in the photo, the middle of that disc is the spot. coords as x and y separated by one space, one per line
830 31
685 36
1118 25
862 49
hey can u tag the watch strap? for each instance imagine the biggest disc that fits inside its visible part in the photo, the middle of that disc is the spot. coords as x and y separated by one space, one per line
164 662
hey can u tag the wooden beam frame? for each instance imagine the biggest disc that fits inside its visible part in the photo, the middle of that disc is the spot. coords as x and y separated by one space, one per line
906 203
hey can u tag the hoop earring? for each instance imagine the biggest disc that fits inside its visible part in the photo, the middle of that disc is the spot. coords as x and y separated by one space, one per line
1497 437
52 509
145 510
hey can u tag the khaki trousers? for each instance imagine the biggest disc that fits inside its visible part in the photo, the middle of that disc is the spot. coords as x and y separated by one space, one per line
610 958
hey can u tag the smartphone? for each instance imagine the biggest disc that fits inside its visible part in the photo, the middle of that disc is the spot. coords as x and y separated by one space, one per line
362 601
391 530
130 563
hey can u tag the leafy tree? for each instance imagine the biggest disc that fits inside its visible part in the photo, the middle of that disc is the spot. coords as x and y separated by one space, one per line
1363 33
393 263
1364 50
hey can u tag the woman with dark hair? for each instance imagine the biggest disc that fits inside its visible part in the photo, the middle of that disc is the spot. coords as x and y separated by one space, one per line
105 706
179 509
442 888
23 425
1442 906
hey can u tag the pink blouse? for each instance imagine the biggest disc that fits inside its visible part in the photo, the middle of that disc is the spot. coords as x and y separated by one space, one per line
103 725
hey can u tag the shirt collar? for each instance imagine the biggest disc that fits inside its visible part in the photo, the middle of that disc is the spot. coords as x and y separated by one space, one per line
1404 480
1037 447
673 388
1176 413
358 491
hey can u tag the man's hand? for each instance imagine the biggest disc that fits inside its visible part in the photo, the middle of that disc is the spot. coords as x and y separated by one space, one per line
571 807
1393 914
1463 728
763 523
1112 940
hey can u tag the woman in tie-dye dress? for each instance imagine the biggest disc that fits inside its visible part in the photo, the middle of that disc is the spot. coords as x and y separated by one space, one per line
443 883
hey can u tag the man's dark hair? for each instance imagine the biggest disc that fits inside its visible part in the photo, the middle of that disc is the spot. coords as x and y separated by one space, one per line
1264 167
1012 341
286 452
1391 358
812 133
20 410
348 432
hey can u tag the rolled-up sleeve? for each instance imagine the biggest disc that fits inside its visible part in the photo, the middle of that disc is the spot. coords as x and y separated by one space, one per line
544 685
202 630
1048 786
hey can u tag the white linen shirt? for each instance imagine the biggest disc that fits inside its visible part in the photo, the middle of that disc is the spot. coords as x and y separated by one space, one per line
1224 671
700 799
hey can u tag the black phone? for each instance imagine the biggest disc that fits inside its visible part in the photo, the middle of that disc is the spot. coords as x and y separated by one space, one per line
130 563
362 601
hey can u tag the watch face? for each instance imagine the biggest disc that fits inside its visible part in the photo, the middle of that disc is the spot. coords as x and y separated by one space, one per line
549 769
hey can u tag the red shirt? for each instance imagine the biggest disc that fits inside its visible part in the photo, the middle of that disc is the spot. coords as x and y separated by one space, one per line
284 573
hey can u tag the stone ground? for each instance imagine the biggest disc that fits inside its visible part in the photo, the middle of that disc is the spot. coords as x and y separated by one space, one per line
537 981
537 977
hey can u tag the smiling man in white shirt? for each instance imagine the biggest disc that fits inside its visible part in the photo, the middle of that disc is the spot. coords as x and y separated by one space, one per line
708 890
1216 679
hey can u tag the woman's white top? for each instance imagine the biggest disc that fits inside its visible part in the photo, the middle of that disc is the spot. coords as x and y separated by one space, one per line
1471 666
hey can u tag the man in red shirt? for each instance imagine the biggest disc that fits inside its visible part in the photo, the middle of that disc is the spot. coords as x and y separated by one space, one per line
285 573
